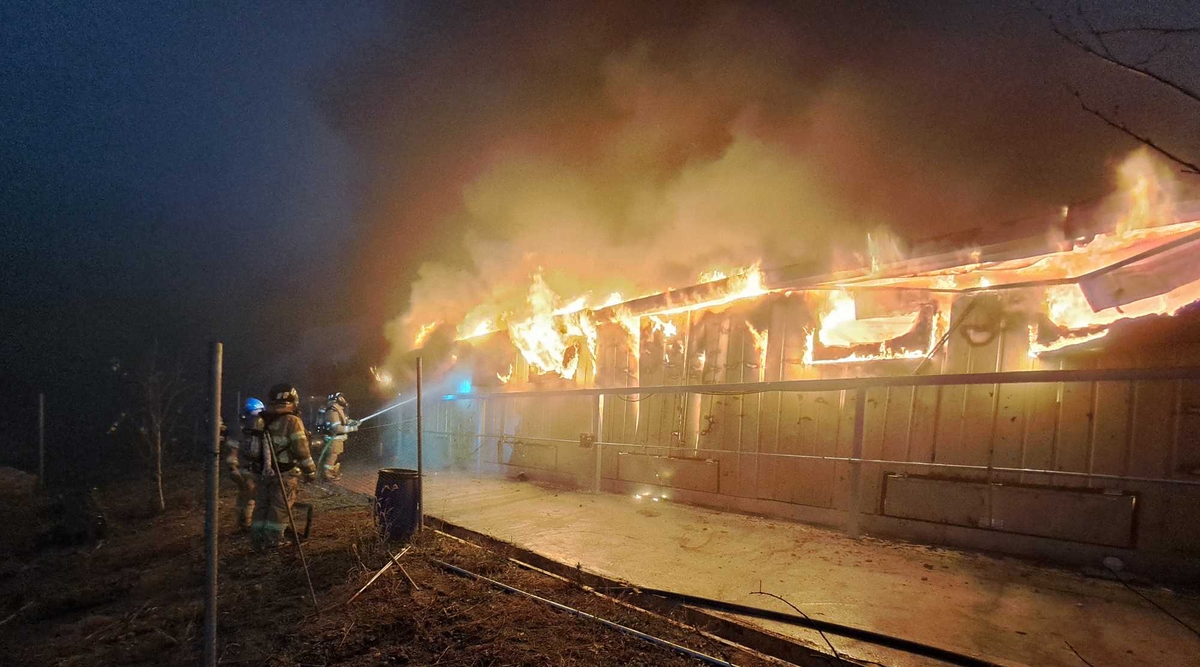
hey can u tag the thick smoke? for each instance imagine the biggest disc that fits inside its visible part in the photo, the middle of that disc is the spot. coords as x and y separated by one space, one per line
629 149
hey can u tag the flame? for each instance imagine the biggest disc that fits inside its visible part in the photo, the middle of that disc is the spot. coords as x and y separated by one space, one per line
1148 188
1037 348
549 337
668 329
744 284
504 379
383 377
1068 308
840 326
556 333
841 311
760 347
573 307
423 334
483 327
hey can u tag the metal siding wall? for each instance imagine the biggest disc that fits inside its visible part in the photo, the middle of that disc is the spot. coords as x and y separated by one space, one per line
1148 430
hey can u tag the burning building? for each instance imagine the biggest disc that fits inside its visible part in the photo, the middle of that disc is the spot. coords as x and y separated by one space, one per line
1037 395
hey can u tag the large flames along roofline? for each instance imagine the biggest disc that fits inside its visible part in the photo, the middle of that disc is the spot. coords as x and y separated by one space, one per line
786 279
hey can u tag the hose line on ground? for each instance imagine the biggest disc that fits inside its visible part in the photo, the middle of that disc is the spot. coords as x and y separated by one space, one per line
657 641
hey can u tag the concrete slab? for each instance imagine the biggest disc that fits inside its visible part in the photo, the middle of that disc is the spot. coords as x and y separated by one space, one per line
1007 610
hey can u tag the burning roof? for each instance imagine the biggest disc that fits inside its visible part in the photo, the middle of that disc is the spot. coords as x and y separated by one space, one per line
1067 290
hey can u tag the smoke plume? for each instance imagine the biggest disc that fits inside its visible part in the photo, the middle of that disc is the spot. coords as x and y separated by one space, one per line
625 148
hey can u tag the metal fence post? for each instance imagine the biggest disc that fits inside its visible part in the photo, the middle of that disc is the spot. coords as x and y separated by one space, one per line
41 478
420 453
860 418
480 430
212 471
598 429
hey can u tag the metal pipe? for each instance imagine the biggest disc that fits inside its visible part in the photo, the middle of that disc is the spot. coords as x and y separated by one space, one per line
211 480
859 634
420 451
848 459
835 384
657 641
598 430
860 421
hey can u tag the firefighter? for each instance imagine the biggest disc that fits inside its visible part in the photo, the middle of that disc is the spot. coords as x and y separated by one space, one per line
287 452
243 461
335 425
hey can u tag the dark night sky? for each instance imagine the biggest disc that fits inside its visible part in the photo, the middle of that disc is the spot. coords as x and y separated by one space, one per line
167 174
195 170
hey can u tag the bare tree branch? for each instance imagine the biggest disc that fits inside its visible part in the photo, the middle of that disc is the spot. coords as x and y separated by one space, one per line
1104 54
1157 52
1091 29
156 397
1188 167
1161 31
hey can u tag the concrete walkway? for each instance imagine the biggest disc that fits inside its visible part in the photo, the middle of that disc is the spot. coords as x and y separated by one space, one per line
1006 610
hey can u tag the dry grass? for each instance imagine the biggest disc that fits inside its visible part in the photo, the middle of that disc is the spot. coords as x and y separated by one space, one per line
135 600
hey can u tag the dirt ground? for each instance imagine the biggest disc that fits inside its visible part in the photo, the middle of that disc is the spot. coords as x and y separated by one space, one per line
135 598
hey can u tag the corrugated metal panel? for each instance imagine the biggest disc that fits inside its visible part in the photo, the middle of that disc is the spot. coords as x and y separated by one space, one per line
1148 429
691 474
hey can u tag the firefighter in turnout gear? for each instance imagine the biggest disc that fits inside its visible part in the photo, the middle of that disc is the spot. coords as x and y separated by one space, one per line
335 425
243 461
286 450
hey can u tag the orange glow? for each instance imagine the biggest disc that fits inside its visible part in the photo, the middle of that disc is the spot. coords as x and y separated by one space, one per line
668 329
423 334
1067 308
841 328
552 337
476 329
382 377
744 284
556 333
1081 259
760 348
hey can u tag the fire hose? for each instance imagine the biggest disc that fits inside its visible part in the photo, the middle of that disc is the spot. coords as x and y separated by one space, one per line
387 409
325 448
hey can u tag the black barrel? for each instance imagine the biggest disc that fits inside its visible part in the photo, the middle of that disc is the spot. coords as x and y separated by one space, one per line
398 503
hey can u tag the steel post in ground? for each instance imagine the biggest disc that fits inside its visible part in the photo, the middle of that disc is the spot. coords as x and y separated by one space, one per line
420 452
212 470
598 430
480 429
855 510
41 478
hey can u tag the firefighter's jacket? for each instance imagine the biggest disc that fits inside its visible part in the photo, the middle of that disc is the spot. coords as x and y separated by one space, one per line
337 423
289 442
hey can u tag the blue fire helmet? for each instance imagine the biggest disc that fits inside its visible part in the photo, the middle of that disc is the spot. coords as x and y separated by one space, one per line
253 406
